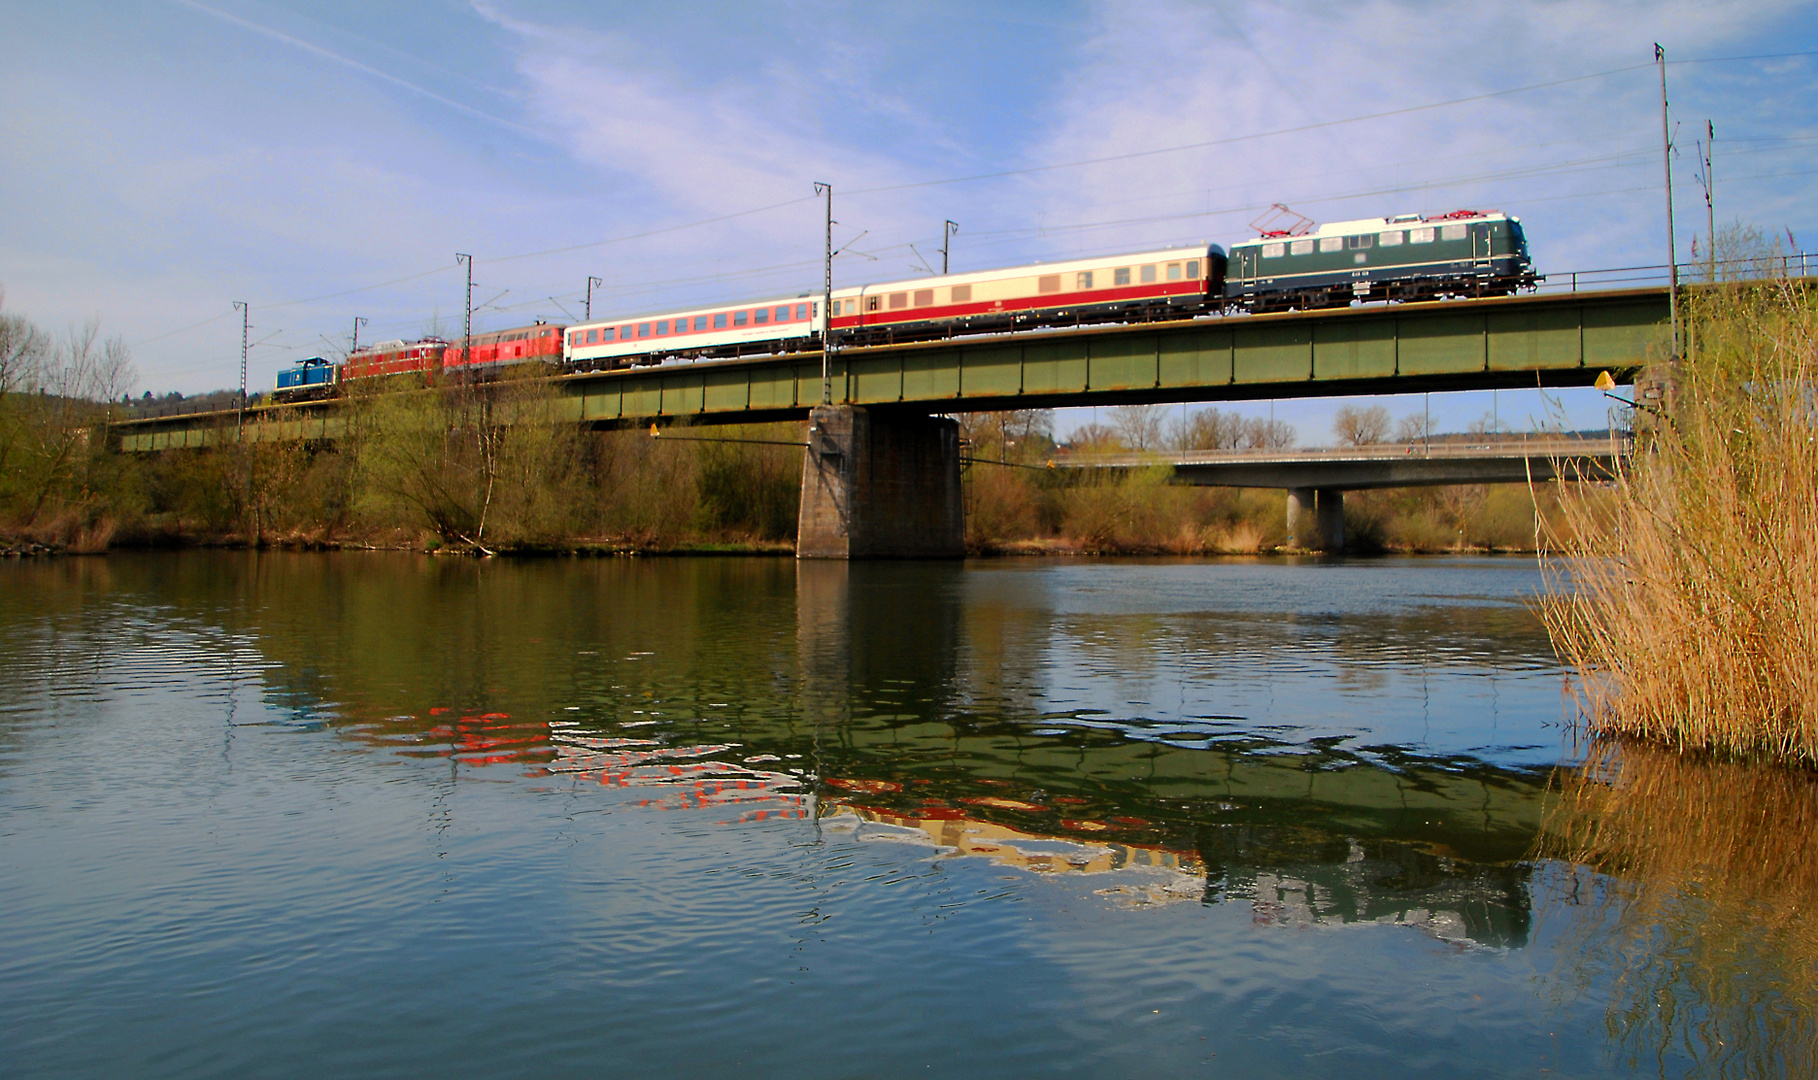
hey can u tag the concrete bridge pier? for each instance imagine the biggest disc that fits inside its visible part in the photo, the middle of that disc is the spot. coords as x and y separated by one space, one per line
880 485
1316 518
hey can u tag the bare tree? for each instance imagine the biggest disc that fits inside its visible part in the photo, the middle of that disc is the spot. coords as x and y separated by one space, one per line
1138 427
1361 427
1207 429
1211 429
23 349
57 391
1095 438
1260 434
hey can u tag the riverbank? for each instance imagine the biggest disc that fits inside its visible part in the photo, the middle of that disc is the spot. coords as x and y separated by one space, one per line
444 472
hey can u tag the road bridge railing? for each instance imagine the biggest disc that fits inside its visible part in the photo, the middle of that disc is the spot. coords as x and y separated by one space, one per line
1539 446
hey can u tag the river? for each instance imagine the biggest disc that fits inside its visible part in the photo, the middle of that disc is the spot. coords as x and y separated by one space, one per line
386 814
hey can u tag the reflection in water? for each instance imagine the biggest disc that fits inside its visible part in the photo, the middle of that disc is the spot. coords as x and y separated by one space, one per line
681 777
1204 769
1696 908
1305 834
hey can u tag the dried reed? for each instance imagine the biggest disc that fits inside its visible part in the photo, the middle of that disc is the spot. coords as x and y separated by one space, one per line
1697 919
1688 598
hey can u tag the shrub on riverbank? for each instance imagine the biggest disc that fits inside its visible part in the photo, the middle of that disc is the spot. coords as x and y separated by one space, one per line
414 471
1693 620
1141 511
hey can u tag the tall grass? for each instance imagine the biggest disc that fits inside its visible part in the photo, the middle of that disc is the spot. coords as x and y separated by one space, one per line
1692 616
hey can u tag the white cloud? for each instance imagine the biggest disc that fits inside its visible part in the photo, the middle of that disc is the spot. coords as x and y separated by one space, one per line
1172 73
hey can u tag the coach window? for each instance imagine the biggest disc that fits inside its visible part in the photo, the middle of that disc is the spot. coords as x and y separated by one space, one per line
1148 274
574 339
662 327
801 311
760 315
592 336
1173 271
1423 235
1331 243
643 329
740 318
700 322
1452 232
898 299
871 303
1120 276
1300 247
719 320
1082 280
962 294
1193 269
625 333
782 313
1390 239
1356 243
1048 283
681 326
923 298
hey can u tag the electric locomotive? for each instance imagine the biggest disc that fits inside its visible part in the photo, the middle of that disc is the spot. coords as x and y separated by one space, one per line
1407 257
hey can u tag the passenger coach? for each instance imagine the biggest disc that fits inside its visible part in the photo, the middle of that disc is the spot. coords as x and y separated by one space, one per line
1171 282
720 331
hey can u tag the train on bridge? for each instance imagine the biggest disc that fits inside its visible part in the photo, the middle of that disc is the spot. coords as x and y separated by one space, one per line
1409 257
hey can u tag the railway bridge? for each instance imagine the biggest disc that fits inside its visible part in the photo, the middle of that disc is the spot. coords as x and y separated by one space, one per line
882 467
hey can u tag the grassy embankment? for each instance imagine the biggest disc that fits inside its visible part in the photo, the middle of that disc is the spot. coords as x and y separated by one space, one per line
1693 617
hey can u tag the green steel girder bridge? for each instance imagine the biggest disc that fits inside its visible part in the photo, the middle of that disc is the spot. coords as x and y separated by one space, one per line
1547 340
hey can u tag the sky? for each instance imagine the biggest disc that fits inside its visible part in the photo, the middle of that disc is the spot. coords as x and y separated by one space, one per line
326 161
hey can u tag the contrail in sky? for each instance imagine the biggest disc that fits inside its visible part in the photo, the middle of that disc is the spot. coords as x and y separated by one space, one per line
365 69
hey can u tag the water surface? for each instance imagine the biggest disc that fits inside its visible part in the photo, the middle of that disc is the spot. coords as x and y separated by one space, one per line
395 815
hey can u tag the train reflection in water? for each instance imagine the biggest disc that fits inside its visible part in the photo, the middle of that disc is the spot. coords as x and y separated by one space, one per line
914 693
1290 876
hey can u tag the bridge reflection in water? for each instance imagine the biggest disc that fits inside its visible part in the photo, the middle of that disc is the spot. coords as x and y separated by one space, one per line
920 705
1304 834
895 698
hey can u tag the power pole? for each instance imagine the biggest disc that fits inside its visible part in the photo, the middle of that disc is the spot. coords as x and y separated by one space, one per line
588 310
1666 148
358 322
1710 207
467 316
245 311
948 231
827 301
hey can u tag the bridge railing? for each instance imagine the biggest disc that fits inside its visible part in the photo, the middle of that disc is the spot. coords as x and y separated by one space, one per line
1538 446
1792 264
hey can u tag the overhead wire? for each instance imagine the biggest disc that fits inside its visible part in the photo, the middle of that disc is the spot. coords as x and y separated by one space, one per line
1030 170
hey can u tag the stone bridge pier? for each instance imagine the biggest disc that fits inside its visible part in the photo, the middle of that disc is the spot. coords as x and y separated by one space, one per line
880 485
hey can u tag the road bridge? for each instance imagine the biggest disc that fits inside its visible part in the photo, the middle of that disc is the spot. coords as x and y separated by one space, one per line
872 448
1316 479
